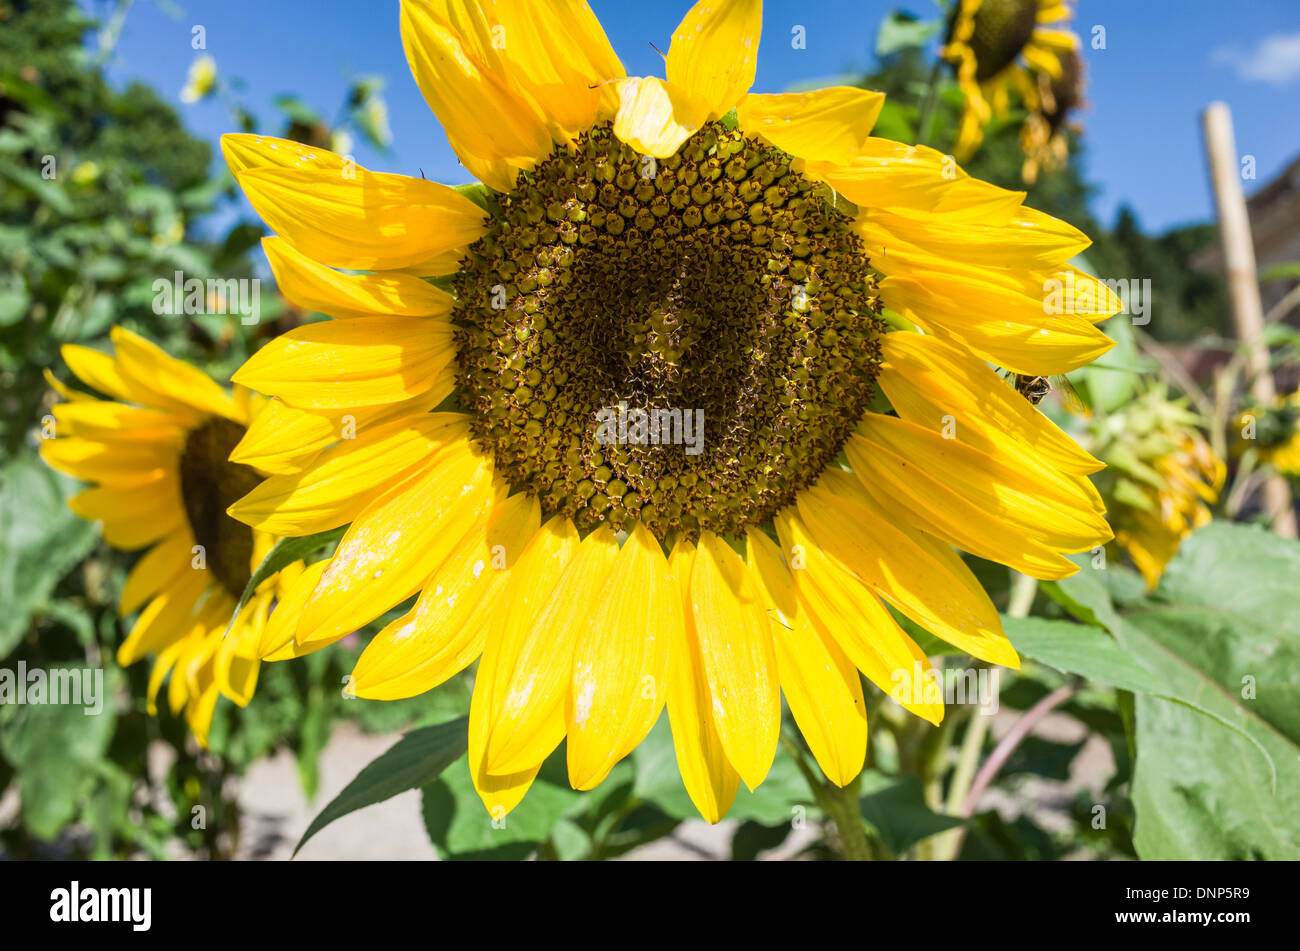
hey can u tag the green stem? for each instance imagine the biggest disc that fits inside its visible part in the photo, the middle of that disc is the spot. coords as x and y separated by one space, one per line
840 805
948 846
927 105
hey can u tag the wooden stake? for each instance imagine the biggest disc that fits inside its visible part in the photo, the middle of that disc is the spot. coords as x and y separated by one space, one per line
1243 286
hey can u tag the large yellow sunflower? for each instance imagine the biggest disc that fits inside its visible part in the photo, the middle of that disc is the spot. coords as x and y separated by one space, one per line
685 247
157 452
1002 46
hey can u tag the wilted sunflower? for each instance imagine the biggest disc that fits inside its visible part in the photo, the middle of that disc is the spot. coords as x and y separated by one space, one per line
678 246
1161 478
157 451
1273 433
1002 46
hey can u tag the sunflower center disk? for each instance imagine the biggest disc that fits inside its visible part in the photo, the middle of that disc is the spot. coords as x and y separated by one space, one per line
686 342
1002 29
209 484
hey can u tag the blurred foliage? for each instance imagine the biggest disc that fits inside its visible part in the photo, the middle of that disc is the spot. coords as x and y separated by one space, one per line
102 192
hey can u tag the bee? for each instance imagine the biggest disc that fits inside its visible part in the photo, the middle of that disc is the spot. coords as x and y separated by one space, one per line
1035 388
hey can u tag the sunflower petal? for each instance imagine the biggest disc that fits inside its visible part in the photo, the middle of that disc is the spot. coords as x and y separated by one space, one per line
825 125
710 780
334 489
448 626
739 662
354 218
397 541
532 642
820 683
339 363
318 288
655 117
620 661
714 52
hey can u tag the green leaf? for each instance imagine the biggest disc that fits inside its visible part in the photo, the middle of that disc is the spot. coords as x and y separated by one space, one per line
460 828
40 540
1221 630
1079 649
413 761
896 810
54 749
782 797
285 552
901 30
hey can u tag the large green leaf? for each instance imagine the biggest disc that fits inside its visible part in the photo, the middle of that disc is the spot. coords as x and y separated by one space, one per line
40 540
416 759
1217 740
1223 630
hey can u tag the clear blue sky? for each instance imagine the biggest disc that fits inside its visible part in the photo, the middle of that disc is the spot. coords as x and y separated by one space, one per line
1165 59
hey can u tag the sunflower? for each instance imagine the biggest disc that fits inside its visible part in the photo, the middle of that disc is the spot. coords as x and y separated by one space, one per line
1162 476
158 453
1000 46
646 254
1274 434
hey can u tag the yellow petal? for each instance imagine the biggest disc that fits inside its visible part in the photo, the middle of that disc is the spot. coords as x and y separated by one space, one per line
530 648
245 150
95 419
655 117
397 541
826 125
820 683
175 383
315 287
354 218
710 780
165 619
937 592
121 464
1020 491
135 516
1000 325
334 489
620 661
934 384
341 363
560 57
1027 239
846 612
462 91
276 641
157 570
714 52
736 648
447 628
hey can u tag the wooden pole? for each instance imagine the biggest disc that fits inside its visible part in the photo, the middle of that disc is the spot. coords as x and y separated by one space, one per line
1243 286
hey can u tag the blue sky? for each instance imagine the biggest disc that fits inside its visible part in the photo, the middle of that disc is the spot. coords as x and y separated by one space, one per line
1164 61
